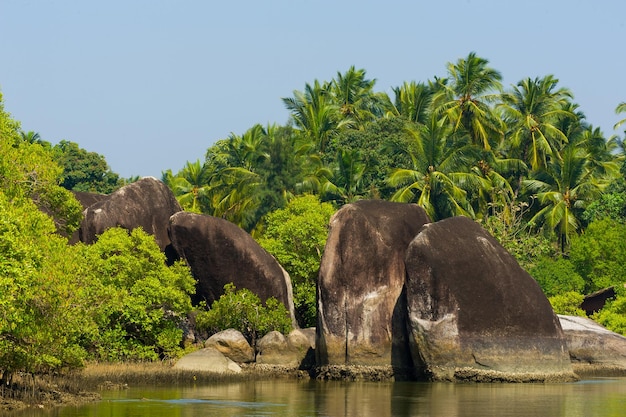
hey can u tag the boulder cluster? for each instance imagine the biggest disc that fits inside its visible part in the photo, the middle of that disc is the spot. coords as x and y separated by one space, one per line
399 296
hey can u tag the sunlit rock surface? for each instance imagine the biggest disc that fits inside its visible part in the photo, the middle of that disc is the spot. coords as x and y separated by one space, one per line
475 314
361 307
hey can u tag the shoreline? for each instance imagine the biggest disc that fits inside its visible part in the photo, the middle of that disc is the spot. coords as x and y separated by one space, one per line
84 385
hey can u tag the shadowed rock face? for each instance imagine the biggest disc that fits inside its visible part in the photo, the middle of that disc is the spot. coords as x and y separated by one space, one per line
361 307
473 308
85 199
147 203
219 252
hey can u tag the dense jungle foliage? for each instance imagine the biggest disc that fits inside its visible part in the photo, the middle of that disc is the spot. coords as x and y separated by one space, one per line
523 161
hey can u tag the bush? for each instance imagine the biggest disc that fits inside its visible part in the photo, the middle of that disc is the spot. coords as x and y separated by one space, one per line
556 276
296 236
568 304
141 300
242 310
599 255
613 315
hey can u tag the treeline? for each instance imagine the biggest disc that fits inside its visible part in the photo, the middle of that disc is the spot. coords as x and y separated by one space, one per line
522 161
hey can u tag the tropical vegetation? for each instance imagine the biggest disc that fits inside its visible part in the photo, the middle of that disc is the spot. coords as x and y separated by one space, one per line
522 160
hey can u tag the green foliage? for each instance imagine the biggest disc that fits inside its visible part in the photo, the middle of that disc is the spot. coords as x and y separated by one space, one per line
243 310
556 276
613 315
599 255
83 170
296 236
514 235
610 205
142 301
568 303
44 300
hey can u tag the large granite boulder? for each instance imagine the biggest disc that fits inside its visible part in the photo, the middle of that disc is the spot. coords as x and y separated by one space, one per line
361 305
592 348
232 344
475 314
219 252
207 360
147 203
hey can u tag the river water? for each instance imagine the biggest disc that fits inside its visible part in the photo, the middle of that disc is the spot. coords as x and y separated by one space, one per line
599 397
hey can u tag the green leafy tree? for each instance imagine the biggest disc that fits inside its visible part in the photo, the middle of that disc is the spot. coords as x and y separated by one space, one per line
296 236
599 255
44 293
413 102
83 170
243 310
142 300
557 276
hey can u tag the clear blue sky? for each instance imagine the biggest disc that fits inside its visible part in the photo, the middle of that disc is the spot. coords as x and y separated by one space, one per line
152 84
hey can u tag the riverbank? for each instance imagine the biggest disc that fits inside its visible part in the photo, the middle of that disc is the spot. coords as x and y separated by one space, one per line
82 386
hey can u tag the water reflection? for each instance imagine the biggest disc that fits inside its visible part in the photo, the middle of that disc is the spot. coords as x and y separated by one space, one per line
600 397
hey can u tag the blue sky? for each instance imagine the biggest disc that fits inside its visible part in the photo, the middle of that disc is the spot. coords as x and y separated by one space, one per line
152 84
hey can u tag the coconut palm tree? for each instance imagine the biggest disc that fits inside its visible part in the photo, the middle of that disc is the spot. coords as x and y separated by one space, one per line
464 99
564 188
191 185
413 101
437 169
355 97
346 185
533 111
315 114
621 108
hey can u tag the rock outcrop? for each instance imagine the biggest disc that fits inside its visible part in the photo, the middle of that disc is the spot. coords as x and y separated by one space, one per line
147 203
592 348
232 344
219 252
475 314
207 360
295 349
361 307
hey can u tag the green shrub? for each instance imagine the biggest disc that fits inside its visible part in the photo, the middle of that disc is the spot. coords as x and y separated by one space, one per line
296 236
141 300
243 310
613 315
568 303
556 276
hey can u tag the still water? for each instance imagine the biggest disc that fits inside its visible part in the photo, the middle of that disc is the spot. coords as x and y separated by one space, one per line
601 397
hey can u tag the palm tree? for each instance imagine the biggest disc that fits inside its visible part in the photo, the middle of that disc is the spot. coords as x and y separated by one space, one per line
621 108
564 188
315 115
354 95
347 180
412 101
191 185
533 111
436 172
465 96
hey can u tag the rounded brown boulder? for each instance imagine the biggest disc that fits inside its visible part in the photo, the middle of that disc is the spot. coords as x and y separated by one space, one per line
219 252
361 306
475 314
